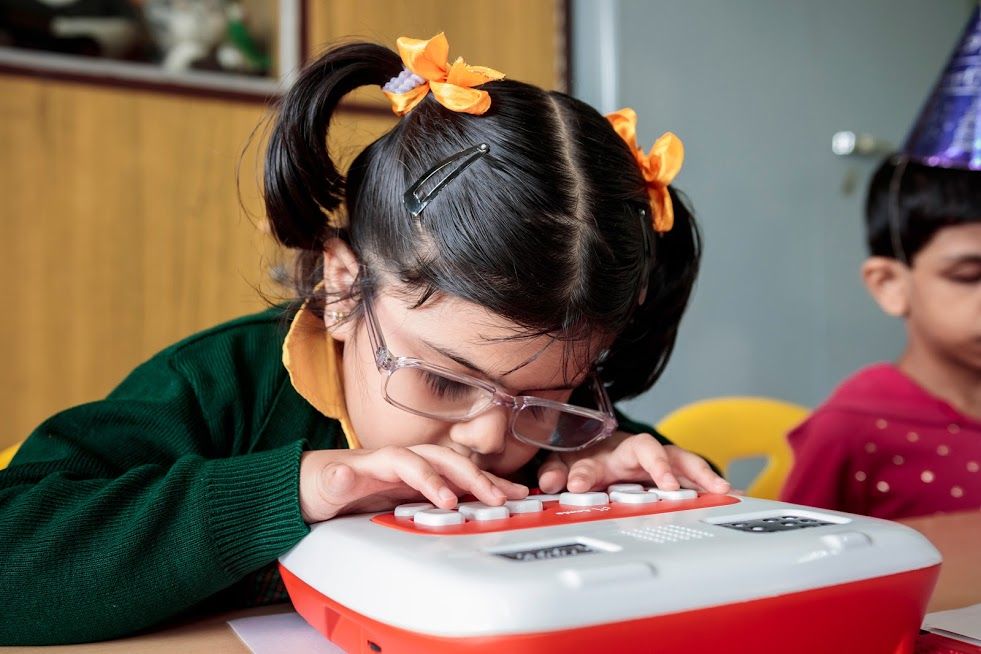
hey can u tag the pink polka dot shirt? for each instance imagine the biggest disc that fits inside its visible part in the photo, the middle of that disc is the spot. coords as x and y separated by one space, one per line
882 446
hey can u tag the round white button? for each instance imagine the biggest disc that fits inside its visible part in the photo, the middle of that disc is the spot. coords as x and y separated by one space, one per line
438 518
409 510
584 499
680 494
527 505
633 497
613 488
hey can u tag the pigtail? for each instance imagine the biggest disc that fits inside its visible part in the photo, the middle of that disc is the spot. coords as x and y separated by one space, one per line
641 351
302 184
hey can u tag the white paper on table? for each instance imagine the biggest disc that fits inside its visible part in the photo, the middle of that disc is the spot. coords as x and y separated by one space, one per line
282 632
960 624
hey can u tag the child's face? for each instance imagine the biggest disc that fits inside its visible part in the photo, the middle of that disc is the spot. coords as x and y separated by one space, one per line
944 295
433 332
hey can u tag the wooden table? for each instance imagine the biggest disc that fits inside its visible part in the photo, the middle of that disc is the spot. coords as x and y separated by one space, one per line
210 635
956 535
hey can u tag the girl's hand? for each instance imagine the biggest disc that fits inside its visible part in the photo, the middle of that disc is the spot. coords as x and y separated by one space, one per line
335 482
626 457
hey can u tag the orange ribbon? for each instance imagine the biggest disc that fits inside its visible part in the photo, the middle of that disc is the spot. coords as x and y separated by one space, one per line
659 166
452 84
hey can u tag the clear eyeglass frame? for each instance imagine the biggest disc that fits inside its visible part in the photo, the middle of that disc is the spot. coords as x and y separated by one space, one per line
388 364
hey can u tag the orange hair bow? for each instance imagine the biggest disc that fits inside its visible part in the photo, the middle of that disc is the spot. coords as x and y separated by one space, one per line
452 84
659 166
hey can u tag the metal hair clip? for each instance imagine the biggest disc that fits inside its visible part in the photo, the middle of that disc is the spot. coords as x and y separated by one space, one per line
645 227
415 200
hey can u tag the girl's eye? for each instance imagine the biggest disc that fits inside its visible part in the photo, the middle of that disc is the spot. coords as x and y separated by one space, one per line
446 388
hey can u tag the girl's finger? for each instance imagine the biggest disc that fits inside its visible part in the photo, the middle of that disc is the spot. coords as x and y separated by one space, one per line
514 491
399 463
332 488
697 470
342 488
688 483
583 475
464 473
653 458
553 474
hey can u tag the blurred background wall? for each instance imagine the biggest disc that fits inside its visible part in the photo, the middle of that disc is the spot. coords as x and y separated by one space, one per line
123 230
756 89
124 226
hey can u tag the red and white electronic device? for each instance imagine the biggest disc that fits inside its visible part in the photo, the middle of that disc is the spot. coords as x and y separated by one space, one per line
630 570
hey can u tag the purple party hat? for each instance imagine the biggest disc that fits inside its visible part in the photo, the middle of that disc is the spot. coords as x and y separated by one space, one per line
947 133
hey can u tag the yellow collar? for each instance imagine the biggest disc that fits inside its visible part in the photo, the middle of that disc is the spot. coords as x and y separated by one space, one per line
313 360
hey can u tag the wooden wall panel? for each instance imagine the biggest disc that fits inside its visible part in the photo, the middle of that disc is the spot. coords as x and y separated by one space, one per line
121 225
122 232
525 39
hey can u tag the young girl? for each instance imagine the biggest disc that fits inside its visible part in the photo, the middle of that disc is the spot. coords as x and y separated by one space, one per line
904 439
491 276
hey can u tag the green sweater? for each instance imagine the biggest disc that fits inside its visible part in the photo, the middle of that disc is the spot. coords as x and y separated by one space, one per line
175 494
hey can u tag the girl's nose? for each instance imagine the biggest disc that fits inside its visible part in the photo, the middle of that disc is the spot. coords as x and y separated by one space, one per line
485 433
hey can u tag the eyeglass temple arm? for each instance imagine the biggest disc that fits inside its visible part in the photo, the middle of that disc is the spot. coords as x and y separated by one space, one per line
607 404
415 201
380 349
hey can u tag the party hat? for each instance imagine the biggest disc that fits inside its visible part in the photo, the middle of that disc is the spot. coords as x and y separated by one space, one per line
947 133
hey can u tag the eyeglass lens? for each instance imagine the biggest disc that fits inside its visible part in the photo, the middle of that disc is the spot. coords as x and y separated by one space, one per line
429 393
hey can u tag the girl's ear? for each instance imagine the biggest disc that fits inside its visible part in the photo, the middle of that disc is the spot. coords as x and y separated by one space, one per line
887 281
340 273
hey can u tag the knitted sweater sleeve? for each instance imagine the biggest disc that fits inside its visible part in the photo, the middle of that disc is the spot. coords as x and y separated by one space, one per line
118 514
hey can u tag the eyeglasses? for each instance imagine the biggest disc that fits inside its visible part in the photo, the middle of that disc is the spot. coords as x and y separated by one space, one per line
432 391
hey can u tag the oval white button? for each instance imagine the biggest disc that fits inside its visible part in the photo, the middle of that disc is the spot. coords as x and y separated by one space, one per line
438 518
584 499
467 508
484 513
527 505
633 497
613 488
846 540
409 510
622 573
680 494
480 511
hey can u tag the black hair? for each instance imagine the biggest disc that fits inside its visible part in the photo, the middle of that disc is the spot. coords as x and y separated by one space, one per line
550 230
908 203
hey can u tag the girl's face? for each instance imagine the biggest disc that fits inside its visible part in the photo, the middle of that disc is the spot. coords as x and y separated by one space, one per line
465 338
944 310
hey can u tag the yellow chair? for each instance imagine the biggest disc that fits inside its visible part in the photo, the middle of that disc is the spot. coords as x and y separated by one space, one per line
7 454
726 429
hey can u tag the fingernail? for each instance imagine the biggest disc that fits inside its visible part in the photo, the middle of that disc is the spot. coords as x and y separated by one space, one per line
447 496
